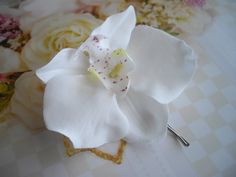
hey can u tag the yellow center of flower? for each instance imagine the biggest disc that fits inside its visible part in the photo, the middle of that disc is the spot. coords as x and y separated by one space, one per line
93 75
119 53
115 72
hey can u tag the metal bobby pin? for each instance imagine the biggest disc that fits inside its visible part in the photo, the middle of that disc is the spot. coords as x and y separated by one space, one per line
180 138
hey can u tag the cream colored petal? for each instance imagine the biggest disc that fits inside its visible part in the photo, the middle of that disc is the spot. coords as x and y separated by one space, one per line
27 101
52 34
10 61
38 9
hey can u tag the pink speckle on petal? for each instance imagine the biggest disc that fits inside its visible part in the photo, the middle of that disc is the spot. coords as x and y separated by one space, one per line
95 39
123 90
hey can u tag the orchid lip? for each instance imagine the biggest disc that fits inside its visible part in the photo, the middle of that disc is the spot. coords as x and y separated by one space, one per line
110 66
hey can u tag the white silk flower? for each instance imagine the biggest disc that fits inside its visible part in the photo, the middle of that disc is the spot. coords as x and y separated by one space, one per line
117 84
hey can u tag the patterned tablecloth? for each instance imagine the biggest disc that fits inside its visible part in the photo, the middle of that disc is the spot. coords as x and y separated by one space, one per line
205 113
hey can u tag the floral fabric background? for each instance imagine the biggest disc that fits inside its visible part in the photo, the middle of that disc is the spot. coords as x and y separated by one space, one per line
33 31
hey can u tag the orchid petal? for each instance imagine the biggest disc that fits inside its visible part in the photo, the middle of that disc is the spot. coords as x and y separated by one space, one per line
117 28
147 118
67 61
80 108
164 64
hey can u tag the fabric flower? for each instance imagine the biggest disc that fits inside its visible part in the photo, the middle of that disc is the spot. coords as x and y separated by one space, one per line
10 61
6 92
199 3
174 17
108 8
35 10
54 33
7 82
9 27
116 84
27 101
9 3
11 36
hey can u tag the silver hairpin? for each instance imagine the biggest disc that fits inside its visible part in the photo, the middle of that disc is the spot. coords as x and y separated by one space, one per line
180 138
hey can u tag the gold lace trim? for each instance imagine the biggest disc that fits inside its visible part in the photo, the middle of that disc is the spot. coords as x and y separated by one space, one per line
117 158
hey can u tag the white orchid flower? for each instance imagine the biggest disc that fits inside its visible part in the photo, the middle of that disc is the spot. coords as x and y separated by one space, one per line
116 84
